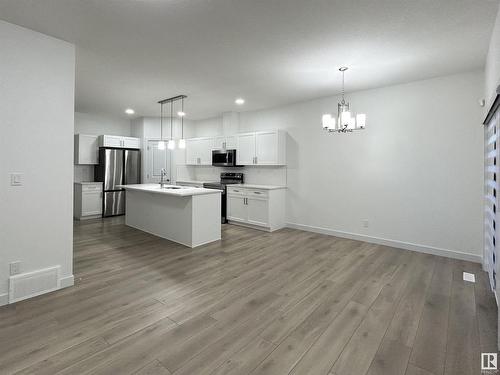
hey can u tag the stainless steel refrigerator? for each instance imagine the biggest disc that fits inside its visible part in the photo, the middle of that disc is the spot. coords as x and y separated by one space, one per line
117 167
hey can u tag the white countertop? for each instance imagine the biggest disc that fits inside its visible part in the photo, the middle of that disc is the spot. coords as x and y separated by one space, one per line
88 183
263 187
194 181
180 191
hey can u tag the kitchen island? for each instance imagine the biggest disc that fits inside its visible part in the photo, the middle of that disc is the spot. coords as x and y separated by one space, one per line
186 215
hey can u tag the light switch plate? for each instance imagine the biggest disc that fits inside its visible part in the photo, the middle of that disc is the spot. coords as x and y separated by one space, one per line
16 179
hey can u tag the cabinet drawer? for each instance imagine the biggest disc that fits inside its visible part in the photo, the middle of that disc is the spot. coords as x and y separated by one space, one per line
92 187
256 193
236 190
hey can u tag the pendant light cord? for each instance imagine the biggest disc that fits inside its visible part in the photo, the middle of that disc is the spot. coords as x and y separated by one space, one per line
182 118
343 86
171 118
161 122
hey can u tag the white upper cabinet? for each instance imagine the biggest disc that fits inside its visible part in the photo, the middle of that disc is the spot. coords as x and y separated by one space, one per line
86 149
199 151
131 142
225 142
245 149
256 148
262 148
110 141
267 148
119 141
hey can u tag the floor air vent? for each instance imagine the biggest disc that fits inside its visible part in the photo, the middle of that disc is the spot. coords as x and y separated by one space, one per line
31 284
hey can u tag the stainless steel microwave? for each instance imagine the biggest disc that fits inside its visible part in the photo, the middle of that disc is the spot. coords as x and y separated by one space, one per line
224 158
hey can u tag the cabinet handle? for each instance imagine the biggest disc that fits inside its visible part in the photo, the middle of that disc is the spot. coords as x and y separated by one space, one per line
256 160
257 192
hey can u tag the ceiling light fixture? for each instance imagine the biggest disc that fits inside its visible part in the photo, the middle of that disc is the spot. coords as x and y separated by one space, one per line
129 111
345 122
240 101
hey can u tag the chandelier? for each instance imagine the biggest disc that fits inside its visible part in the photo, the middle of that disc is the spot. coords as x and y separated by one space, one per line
346 121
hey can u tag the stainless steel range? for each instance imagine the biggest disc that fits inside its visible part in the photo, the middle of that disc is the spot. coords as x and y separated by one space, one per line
226 178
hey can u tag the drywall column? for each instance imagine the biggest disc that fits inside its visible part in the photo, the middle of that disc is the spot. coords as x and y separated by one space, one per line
37 80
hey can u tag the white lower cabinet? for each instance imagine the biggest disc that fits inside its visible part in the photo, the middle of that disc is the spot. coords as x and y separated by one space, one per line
236 208
258 211
262 209
87 200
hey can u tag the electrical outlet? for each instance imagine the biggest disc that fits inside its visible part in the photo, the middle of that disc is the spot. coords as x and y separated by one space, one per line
15 268
366 223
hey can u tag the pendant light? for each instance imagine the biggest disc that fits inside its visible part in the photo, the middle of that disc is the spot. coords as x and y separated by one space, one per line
171 142
345 122
161 144
182 141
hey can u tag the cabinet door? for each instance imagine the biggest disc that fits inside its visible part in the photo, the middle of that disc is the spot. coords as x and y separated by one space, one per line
191 151
246 149
87 149
205 146
258 211
112 141
236 208
219 143
231 142
266 147
91 203
129 142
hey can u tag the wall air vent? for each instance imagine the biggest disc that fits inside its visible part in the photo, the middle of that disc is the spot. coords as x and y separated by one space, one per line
31 284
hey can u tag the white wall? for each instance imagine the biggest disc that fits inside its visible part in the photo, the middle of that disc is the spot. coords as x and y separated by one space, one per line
97 124
492 69
415 173
37 78
90 123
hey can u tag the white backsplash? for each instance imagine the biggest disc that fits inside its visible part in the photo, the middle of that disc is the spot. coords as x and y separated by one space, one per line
253 175
83 173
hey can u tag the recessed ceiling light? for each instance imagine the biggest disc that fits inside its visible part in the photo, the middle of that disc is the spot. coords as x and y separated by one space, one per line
129 111
181 114
240 101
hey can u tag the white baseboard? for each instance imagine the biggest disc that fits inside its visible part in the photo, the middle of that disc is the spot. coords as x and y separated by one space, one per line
4 299
392 243
67 281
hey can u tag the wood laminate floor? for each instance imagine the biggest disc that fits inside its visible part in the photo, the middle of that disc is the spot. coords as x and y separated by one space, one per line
290 302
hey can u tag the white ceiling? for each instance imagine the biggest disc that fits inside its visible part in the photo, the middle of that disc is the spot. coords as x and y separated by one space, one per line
131 53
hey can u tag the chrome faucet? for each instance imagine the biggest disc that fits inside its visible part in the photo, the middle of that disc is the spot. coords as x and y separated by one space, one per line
162 180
